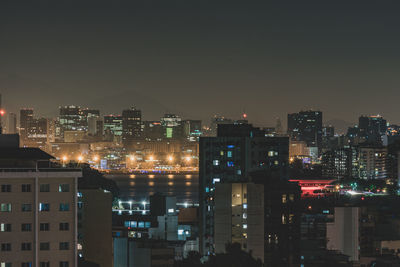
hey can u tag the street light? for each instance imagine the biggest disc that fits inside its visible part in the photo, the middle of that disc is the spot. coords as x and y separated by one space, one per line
170 158
95 158
80 158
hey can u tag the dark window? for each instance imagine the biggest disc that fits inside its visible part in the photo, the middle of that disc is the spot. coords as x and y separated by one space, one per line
6 247
64 264
64 226
5 188
26 227
44 227
44 264
26 188
45 188
64 245
64 207
45 246
26 264
26 246
26 207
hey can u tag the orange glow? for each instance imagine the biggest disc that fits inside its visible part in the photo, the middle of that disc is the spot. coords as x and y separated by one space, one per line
95 158
80 158
64 158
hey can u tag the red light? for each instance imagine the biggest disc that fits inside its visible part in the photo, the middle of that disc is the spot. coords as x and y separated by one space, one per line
2 112
309 207
244 115
362 198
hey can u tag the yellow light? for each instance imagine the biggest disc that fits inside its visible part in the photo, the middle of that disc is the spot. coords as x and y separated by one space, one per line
80 158
95 158
132 158
170 158
64 158
151 158
188 159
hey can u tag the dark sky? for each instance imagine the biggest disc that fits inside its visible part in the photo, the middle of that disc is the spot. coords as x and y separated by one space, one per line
199 58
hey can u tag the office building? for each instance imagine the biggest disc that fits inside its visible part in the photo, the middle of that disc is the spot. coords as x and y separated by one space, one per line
306 126
372 162
239 217
38 222
230 157
372 128
131 125
25 118
112 126
172 126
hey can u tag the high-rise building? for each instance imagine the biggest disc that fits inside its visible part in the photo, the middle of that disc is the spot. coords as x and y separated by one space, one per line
306 126
192 129
11 123
25 118
239 217
38 221
131 125
113 126
172 126
372 128
71 119
372 162
238 150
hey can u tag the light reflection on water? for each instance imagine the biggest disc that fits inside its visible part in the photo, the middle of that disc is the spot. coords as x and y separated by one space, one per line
184 187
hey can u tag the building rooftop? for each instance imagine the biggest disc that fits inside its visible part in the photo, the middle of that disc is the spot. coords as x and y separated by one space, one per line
24 153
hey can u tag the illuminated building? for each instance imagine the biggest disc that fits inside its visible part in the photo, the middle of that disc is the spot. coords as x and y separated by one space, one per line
25 117
372 128
131 125
112 126
171 124
237 151
341 163
38 221
71 119
239 217
306 126
192 129
153 130
372 162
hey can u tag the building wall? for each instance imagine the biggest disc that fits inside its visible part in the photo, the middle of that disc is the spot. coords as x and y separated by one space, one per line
97 226
343 233
239 217
35 217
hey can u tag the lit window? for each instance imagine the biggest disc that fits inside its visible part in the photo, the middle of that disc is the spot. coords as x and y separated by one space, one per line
141 224
216 162
230 164
244 215
216 180
271 153
245 206
63 188
284 200
229 154
276 162
5 227
44 207
5 207
170 210
180 231
244 226
5 264
221 153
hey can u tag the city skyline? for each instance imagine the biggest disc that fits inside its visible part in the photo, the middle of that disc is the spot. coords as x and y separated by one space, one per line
177 57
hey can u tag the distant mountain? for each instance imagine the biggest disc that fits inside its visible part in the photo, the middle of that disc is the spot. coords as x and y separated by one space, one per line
341 126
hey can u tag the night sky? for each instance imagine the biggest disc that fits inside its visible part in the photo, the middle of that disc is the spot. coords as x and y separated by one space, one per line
200 58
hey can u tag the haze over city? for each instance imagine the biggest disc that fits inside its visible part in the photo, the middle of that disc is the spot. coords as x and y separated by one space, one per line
265 58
